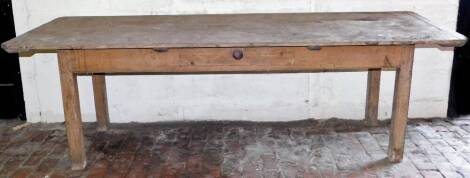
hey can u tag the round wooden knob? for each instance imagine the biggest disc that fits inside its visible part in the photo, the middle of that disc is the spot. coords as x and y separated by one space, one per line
237 54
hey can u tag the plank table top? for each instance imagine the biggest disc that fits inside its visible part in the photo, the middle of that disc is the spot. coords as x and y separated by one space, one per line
234 30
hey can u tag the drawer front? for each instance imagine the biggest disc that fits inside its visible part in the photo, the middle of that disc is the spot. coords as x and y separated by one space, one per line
219 60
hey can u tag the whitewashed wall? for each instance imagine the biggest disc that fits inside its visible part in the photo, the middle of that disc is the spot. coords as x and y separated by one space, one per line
261 97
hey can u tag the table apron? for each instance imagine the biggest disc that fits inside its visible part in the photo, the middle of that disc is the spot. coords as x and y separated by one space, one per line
220 60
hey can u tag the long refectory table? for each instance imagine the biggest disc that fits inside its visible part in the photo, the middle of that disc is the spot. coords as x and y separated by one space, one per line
236 43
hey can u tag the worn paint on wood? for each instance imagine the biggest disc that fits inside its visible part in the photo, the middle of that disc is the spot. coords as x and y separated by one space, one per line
235 30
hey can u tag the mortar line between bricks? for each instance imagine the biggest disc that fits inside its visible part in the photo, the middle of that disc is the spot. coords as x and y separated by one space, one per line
413 158
21 164
363 146
190 137
32 152
106 144
442 154
133 158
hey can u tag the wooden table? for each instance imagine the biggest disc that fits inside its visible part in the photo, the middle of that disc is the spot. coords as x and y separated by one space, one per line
242 43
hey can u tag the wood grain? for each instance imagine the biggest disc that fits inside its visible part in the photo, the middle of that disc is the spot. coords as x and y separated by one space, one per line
220 60
401 100
235 30
73 120
372 97
101 102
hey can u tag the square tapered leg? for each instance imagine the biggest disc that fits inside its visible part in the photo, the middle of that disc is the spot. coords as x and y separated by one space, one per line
101 102
73 120
400 107
372 98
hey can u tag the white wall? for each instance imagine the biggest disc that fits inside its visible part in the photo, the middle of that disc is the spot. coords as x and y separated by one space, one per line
259 97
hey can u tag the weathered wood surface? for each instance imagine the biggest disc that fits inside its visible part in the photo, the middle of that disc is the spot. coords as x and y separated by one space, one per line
400 108
221 60
73 118
101 102
236 30
372 97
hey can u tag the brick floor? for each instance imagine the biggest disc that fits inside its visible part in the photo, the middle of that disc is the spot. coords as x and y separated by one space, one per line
331 148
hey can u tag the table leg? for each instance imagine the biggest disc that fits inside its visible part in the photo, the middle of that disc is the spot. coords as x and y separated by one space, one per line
372 98
101 102
400 108
73 120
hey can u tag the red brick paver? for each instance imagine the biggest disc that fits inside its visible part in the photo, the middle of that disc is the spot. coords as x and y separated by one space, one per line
310 148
